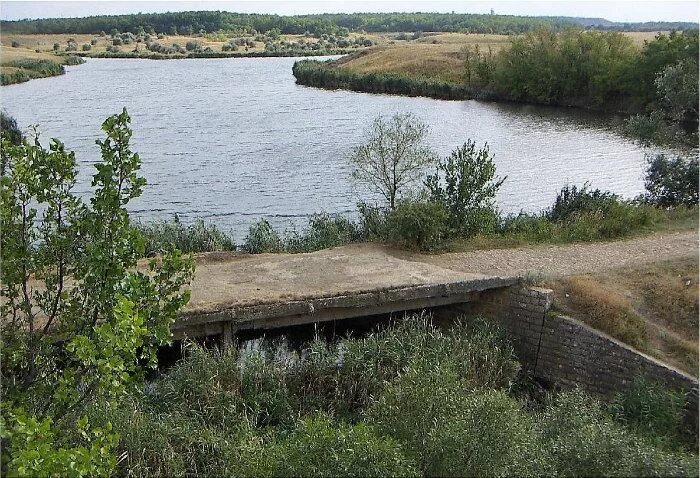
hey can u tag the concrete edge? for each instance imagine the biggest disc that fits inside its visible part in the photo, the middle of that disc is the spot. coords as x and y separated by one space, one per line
347 300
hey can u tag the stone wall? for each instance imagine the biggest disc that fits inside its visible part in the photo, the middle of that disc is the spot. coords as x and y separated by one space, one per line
567 352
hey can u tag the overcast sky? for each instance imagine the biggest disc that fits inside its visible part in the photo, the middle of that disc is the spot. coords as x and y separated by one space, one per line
622 11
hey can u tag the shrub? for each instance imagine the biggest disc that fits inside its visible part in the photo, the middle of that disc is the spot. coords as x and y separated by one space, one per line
192 46
324 231
672 182
86 47
465 183
452 432
653 410
262 238
166 236
73 60
587 442
10 130
372 221
117 41
418 224
65 349
15 44
571 200
319 447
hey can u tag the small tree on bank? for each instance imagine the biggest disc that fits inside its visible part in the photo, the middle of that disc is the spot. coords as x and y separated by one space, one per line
393 156
466 183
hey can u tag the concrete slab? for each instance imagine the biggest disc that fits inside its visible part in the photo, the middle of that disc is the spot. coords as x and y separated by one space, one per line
273 290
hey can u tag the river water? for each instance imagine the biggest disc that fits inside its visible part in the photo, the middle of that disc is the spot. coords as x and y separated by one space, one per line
235 140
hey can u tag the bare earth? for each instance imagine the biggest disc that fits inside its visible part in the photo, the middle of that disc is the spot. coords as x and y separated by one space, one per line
555 261
226 279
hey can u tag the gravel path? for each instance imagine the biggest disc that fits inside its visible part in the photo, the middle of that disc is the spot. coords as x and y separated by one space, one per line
561 260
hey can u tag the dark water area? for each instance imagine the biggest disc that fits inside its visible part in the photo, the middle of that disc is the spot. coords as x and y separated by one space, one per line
234 140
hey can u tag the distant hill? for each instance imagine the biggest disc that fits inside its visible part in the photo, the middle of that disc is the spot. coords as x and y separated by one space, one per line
332 23
603 24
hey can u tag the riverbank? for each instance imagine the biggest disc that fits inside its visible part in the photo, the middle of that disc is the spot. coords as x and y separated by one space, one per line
651 78
19 65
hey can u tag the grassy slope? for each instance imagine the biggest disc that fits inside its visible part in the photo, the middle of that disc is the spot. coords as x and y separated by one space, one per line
654 307
435 55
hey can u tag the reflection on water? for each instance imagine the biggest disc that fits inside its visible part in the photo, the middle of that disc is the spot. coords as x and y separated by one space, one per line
233 140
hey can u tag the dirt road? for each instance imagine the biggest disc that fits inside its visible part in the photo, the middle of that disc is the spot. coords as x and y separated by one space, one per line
561 260
225 279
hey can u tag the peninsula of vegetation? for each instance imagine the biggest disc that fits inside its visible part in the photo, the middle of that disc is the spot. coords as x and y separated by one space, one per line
651 78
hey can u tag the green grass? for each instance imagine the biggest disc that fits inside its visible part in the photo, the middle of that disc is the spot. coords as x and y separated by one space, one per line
631 221
25 69
164 236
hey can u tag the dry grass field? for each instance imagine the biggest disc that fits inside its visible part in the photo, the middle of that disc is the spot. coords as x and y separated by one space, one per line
653 308
437 55
45 43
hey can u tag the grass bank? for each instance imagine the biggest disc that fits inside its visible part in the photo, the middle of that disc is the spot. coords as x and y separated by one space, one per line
22 69
653 308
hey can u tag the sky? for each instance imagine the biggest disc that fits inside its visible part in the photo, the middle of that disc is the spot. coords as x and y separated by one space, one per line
621 11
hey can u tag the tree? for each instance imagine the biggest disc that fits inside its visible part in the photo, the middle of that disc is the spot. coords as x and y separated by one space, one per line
465 183
677 87
672 182
79 320
393 156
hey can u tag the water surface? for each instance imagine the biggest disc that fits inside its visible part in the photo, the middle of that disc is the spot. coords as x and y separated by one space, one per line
234 140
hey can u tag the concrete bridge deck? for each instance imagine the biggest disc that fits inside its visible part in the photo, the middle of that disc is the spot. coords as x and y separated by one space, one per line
235 292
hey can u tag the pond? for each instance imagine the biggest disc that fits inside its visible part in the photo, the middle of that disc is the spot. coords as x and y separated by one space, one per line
234 140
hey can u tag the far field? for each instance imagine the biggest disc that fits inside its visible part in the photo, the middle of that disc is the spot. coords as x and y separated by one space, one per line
437 55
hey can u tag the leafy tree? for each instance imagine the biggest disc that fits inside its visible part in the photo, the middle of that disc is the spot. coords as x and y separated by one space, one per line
672 182
80 320
677 87
9 129
465 182
393 156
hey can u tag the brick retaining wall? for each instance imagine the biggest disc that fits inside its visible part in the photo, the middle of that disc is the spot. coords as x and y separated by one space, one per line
566 351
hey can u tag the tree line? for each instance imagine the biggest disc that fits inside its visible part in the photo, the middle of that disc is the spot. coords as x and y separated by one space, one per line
210 21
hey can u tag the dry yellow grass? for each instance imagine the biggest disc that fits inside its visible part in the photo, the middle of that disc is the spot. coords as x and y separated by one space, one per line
437 55
653 308
45 43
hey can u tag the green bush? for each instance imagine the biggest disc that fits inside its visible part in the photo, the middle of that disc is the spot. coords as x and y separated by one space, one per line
653 410
453 432
465 184
166 236
319 447
672 182
262 238
10 130
372 221
585 441
418 224
571 200
324 231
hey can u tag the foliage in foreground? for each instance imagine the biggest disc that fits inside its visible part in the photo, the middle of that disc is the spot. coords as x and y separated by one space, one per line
405 401
80 322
